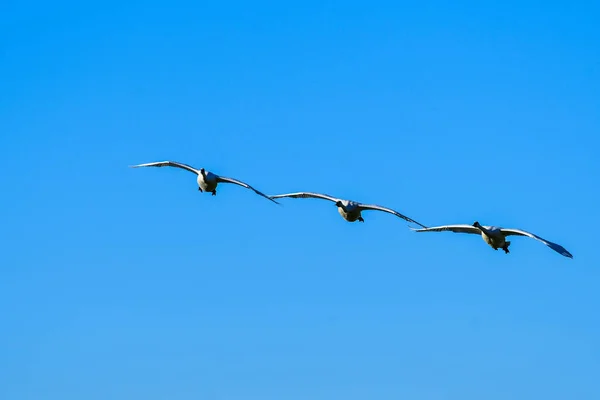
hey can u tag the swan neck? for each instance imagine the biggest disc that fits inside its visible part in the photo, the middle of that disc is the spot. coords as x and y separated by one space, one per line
482 229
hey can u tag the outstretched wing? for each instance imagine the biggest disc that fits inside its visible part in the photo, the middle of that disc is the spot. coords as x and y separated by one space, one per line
556 247
451 228
388 210
243 184
306 195
167 164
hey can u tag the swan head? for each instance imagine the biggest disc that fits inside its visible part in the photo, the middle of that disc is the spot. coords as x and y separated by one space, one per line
339 204
476 224
203 172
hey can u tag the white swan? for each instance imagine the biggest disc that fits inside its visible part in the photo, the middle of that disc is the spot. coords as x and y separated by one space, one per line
349 210
207 181
495 236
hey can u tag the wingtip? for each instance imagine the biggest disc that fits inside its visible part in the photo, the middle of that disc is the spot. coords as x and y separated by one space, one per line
563 252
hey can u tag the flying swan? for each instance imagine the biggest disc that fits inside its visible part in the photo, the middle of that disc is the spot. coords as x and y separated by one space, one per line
495 236
207 181
349 210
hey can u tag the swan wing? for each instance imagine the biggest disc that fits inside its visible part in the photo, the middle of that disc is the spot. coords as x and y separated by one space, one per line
390 211
167 164
243 184
452 228
306 195
519 232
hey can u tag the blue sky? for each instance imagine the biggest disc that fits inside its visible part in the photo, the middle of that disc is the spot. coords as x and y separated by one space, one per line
128 283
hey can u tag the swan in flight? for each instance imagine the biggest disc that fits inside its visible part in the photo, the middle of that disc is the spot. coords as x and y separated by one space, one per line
495 236
207 181
349 210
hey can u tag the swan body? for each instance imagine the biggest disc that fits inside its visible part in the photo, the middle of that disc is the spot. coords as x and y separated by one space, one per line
207 181
495 236
350 210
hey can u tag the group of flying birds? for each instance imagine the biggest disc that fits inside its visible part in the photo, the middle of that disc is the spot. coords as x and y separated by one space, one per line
351 210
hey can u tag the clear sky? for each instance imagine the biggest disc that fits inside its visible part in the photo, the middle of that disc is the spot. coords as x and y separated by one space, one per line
119 283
